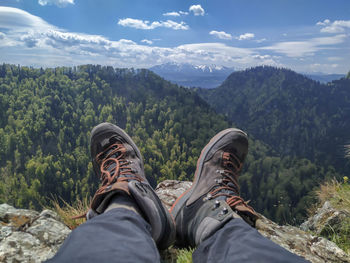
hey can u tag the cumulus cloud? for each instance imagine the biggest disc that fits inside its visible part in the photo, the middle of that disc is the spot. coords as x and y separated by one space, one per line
59 3
171 14
30 40
324 23
147 25
307 47
183 13
246 36
220 34
197 10
335 27
72 39
149 42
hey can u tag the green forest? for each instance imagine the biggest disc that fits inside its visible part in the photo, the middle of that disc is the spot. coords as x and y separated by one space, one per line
46 116
290 112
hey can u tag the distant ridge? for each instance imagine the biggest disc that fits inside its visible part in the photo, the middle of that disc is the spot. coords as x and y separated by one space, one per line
189 75
325 78
295 115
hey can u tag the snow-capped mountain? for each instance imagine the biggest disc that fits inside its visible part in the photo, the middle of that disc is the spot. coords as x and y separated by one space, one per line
185 74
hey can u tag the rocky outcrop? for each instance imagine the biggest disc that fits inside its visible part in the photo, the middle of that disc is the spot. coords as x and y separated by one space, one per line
29 236
326 218
313 248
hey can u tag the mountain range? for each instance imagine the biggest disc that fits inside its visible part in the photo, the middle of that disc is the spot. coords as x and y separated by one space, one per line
189 75
212 76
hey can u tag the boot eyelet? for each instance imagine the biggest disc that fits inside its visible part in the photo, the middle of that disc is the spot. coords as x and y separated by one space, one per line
217 204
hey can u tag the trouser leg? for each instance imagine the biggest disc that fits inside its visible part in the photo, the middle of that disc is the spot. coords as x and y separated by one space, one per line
238 242
119 235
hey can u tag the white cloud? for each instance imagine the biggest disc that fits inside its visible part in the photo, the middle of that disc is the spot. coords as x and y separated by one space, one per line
197 10
28 40
47 45
59 3
176 14
146 25
324 23
149 42
332 29
261 40
307 47
14 18
220 34
246 36
171 14
335 27
323 67
262 56
334 58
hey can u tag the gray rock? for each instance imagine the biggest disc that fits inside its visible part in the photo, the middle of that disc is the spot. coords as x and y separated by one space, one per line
27 236
326 218
313 248
169 190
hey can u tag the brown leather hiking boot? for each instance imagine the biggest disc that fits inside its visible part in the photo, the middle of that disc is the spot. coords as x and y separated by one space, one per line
214 197
118 162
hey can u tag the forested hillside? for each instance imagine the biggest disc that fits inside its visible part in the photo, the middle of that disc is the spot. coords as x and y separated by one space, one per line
46 116
290 112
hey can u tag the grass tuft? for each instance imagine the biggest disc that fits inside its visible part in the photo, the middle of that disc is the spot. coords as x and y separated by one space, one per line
67 211
339 196
184 256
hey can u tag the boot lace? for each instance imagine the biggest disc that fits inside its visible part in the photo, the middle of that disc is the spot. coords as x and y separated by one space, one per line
228 185
114 166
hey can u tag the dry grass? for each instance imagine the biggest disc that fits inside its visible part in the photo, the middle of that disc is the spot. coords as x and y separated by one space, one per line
339 196
335 192
328 190
67 212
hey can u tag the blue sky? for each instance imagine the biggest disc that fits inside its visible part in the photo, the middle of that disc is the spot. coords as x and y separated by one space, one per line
304 35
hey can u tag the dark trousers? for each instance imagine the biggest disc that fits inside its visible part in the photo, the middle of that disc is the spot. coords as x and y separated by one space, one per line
120 235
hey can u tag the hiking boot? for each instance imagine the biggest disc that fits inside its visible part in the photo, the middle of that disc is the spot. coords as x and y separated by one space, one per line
118 162
214 198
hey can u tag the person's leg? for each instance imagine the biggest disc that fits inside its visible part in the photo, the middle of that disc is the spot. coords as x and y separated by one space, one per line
126 218
117 235
239 242
211 214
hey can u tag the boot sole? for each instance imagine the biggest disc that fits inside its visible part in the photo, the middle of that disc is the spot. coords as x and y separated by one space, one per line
182 199
108 128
